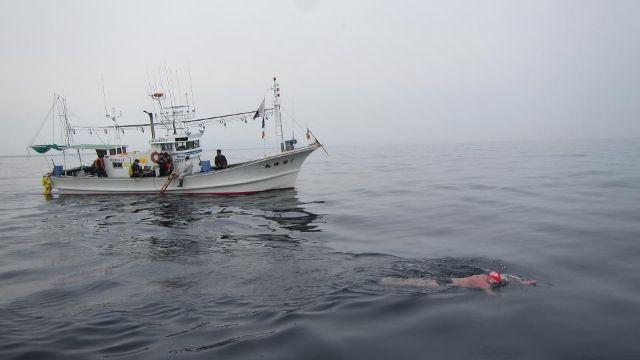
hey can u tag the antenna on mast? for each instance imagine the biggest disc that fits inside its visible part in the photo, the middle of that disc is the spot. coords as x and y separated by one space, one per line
277 114
113 117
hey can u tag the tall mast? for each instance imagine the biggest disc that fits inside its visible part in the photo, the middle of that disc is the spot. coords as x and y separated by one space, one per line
65 122
277 114
66 127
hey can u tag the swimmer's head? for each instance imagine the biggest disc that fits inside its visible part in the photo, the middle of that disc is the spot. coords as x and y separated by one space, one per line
495 276
496 279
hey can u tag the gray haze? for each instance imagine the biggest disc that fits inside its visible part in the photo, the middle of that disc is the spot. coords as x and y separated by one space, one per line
367 72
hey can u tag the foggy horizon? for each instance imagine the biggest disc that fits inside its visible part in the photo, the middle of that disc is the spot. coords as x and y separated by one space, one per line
355 73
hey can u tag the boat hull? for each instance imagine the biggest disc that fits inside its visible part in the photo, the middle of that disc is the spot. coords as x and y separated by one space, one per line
270 173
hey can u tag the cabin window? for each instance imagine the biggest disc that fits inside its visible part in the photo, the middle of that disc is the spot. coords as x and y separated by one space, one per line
166 147
117 165
267 166
181 146
285 162
119 150
112 151
189 145
276 164
196 143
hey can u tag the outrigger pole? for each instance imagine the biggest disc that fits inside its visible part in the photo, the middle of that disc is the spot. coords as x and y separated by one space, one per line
153 131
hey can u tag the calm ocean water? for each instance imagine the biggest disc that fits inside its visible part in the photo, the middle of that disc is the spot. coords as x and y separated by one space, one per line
295 274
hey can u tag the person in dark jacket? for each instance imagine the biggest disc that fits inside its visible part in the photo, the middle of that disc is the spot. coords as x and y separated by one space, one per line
135 170
162 165
221 160
98 167
169 163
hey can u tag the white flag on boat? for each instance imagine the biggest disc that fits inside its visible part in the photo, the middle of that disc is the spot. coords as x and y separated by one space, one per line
260 111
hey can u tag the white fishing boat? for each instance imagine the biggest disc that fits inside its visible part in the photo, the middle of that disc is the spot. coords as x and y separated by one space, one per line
113 170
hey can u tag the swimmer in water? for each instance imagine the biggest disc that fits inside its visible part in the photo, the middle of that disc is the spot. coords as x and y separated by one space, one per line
485 282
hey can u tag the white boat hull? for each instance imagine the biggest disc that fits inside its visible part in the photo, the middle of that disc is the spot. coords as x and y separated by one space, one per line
274 172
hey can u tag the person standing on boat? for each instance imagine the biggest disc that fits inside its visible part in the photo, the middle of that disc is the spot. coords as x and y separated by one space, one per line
221 160
169 162
162 165
98 167
187 169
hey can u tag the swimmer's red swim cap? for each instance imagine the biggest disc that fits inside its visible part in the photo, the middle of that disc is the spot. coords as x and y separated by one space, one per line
495 276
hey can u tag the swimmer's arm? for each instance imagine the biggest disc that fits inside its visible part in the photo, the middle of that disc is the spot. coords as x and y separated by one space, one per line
517 280
489 291
472 282
415 282
526 282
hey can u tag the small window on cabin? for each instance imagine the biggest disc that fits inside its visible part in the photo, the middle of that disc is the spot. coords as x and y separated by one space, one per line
181 146
276 164
166 147
112 151
267 166
285 162
117 165
119 150
196 143
124 150
189 145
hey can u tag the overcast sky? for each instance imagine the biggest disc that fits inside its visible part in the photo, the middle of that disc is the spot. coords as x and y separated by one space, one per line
354 71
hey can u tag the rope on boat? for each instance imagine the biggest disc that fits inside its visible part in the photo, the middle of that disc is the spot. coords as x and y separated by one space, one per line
167 183
310 134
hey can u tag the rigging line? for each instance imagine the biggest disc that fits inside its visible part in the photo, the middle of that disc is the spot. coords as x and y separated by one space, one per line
224 116
169 85
187 121
42 125
53 119
193 101
155 83
104 96
150 90
293 135
179 89
294 120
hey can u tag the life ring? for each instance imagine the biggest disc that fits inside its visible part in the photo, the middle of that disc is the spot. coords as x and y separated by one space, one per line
154 156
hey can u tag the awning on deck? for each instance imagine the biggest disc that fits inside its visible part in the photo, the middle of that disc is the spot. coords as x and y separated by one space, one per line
41 149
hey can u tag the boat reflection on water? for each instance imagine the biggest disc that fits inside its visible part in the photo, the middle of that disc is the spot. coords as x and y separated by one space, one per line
281 207
171 228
